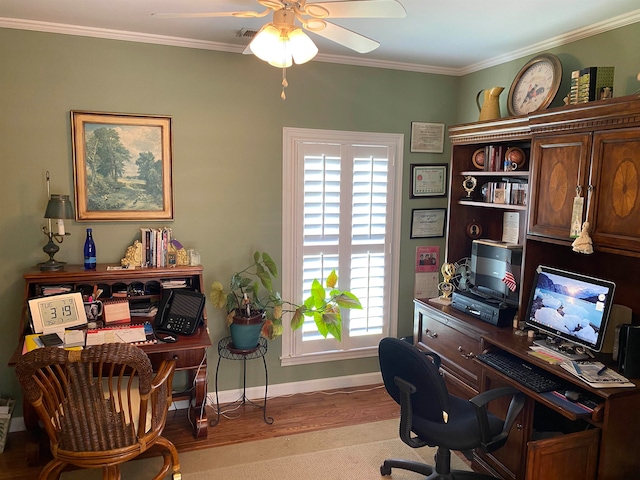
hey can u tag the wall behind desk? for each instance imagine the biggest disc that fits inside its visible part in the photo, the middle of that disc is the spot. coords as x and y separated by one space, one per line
227 144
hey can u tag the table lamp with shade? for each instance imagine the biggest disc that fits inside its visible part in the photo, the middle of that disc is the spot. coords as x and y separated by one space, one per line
59 208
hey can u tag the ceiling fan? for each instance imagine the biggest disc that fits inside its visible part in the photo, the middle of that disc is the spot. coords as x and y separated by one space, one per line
281 42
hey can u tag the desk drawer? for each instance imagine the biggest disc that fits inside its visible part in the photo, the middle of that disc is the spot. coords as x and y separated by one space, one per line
185 359
456 349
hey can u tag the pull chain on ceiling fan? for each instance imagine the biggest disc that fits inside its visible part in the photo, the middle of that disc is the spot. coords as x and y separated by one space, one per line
281 42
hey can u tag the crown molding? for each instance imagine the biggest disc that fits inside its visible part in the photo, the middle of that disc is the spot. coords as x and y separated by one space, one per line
575 35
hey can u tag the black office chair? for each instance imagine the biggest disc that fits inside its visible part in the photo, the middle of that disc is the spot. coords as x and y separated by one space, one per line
438 419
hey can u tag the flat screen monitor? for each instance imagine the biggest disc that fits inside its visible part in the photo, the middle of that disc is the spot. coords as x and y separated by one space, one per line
570 306
490 262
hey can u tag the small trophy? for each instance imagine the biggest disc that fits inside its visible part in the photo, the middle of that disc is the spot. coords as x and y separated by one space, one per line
469 184
446 288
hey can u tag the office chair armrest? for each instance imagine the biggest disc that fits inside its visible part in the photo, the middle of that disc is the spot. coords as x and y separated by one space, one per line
480 402
166 370
435 358
406 413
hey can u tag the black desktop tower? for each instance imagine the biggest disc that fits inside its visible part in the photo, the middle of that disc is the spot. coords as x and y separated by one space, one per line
626 350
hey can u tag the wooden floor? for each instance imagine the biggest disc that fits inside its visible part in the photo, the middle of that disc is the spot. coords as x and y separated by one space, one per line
293 414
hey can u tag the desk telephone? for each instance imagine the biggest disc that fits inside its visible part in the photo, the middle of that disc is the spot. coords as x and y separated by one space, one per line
179 311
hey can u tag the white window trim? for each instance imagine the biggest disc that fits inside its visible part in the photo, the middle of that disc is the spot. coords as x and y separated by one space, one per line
289 249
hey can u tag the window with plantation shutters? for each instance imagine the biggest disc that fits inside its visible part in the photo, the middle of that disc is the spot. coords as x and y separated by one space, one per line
340 212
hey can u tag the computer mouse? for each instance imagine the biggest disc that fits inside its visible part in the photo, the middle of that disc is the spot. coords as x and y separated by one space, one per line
572 396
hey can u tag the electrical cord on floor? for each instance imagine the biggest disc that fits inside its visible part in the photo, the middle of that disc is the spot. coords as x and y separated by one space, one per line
204 404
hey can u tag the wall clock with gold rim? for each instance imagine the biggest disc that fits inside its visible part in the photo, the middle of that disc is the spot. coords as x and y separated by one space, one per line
535 85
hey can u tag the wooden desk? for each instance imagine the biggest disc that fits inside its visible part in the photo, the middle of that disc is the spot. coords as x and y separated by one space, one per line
602 446
190 352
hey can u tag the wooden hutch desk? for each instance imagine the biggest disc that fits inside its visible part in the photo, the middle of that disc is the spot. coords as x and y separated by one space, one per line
602 445
190 352
594 149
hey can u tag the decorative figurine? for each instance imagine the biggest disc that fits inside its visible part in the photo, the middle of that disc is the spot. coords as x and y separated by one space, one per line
583 243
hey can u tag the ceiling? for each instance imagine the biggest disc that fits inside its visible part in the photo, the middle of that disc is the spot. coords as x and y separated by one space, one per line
452 37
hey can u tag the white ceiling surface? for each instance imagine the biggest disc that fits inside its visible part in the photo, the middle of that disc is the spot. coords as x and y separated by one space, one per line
453 37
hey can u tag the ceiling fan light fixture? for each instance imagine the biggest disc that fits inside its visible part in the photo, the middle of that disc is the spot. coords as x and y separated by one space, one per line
301 46
268 45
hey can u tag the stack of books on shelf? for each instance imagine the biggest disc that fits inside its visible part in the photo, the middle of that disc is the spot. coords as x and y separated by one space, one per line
155 245
508 192
591 83
493 158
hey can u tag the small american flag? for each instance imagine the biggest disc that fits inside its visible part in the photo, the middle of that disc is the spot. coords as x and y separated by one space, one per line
509 280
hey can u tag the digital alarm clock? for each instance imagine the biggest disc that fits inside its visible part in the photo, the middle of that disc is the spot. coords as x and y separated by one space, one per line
54 313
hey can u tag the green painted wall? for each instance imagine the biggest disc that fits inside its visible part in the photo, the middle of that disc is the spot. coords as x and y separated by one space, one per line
227 126
617 48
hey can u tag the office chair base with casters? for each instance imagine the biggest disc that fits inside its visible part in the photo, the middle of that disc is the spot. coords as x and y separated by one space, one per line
440 472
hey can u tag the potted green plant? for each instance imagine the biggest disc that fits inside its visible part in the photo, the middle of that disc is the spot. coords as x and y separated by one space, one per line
251 300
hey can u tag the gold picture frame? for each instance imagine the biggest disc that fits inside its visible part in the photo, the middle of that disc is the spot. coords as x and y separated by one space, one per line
115 166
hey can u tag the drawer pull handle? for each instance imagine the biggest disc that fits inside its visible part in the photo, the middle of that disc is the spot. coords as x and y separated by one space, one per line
431 334
468 356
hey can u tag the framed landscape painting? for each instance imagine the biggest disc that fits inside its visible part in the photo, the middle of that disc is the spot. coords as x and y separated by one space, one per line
122 166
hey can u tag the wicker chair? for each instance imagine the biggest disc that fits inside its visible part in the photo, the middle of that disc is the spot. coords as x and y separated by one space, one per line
101 406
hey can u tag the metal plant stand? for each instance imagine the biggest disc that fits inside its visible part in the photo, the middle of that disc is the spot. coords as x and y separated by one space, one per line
226 350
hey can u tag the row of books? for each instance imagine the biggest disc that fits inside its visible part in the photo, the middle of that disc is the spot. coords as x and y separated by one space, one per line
505 192
155 246
494 158
591 83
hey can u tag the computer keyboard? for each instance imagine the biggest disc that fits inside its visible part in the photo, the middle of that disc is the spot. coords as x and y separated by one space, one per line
521 371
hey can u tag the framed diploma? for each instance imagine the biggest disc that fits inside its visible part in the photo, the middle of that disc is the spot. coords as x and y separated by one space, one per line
427 137
428 180
54 313
427 223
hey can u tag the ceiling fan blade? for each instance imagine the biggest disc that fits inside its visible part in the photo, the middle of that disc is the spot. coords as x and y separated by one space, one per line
247 14
343 36
358 9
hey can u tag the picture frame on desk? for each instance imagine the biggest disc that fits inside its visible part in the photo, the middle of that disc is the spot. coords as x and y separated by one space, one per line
122 166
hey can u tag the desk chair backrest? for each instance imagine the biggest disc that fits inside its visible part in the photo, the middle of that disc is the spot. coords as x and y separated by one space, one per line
398 359
101 405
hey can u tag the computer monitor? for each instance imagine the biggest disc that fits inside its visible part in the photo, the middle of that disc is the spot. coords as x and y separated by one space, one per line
570 306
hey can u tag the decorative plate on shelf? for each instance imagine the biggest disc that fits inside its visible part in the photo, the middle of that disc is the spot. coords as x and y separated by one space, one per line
535 85
478 159
515 155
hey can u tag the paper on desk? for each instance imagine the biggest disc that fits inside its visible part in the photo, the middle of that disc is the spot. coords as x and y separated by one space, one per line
132 334
589 374
116 335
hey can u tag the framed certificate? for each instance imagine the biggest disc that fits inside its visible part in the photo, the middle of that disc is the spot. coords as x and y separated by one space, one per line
54 313
427 137
428 180
427 222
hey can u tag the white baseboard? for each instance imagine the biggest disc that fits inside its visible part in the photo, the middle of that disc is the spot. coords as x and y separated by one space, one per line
277 390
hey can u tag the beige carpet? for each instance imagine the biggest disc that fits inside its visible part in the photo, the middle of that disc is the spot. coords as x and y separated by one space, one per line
349 453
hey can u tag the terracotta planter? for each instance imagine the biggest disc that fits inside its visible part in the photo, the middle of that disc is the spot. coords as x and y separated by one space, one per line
245 331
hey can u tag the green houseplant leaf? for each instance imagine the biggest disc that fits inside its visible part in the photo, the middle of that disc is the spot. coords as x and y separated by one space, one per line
251 291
